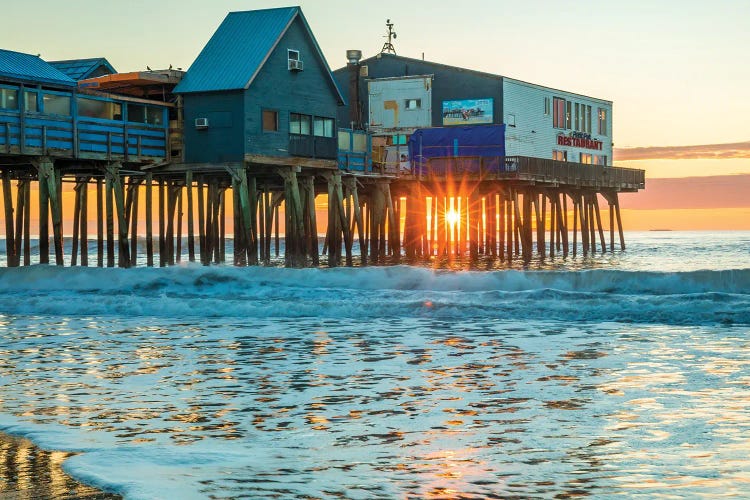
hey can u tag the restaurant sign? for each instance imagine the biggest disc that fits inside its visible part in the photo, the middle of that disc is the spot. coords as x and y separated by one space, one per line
579 140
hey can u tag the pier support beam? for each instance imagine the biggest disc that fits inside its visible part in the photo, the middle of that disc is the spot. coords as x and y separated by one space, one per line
352 189
10 245
49 203
116 187
294 255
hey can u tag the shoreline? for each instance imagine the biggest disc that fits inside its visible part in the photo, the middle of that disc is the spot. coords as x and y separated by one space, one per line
27 471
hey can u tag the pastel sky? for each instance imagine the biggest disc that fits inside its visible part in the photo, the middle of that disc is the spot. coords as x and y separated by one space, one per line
676 69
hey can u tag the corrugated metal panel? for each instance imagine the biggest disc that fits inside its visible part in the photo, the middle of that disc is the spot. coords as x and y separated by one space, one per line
79 69
26 67
400 103
237 50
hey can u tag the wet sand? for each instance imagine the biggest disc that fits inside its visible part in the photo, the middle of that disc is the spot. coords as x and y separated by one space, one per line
28 472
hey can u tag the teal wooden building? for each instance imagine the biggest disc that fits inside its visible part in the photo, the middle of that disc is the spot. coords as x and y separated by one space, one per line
260 88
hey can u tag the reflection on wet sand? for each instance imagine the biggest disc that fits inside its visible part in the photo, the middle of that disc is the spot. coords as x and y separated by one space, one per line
26 472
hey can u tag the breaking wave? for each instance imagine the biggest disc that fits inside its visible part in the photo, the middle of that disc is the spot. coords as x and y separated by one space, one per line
695 297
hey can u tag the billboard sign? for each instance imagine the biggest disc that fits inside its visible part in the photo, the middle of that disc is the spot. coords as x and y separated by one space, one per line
467 112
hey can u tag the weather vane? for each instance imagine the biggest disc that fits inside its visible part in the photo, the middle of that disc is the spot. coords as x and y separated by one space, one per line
388 46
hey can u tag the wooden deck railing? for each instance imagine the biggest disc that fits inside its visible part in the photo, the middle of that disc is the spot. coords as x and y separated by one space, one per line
538 170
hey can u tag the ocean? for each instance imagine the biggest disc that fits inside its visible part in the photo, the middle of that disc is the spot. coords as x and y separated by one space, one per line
624 374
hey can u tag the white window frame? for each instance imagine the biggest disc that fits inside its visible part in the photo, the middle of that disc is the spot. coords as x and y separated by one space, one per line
417 104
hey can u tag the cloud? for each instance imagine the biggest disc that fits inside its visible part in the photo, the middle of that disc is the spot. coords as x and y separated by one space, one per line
706 151
720 191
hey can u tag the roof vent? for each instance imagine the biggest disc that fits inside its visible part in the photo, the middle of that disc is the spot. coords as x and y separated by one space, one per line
353 56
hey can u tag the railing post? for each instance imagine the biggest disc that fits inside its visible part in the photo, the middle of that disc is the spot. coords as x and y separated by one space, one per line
125 140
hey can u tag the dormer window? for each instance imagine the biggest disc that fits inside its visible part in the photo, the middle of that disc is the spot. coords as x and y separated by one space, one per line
294 61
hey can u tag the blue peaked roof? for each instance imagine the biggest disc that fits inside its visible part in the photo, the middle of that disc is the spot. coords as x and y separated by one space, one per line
80 69
32 69
238 49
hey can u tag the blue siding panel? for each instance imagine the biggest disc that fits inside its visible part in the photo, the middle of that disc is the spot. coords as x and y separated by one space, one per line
94 135
222 141
276 88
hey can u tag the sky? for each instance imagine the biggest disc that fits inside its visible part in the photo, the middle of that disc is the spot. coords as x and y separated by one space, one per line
676 70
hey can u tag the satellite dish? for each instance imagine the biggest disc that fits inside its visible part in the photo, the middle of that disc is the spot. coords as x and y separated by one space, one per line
394 36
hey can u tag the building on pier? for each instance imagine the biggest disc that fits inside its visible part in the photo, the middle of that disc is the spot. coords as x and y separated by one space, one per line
261 87
266 132
541 122
154 85
43 112
82 69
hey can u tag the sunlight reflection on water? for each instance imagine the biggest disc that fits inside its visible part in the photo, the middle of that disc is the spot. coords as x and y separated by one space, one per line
400 407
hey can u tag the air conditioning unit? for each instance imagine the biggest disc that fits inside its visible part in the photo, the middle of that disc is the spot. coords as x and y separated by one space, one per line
295 65
201 123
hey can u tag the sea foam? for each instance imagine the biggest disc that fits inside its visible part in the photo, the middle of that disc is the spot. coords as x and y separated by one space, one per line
694 297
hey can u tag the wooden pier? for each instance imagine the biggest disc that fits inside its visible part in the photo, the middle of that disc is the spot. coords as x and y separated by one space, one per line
504 208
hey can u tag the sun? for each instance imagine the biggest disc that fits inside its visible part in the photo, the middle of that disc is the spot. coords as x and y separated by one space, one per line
452 217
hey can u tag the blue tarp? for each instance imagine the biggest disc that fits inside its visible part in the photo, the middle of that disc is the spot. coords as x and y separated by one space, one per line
478 141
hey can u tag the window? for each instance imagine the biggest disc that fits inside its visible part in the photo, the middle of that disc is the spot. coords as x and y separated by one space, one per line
413 104
323 127
587 128
600 160
345 140
294 63
559 155
136 113
30 102
154 115
360 142
8 99
602 121
576 121
586 158
94 108
397 140
568 114
299 124
57 104
151 115
546 106
270 120
558 112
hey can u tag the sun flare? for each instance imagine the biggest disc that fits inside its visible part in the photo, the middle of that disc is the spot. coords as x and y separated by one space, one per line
452 217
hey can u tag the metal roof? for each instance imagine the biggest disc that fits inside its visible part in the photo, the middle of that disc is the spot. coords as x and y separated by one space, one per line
238 49
80 69
32 69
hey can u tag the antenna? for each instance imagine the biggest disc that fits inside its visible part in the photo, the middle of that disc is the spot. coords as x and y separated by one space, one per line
388 46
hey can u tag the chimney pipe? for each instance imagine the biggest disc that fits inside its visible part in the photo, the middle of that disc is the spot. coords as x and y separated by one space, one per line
354 56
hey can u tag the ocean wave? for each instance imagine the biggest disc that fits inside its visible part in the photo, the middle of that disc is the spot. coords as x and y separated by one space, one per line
695 297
